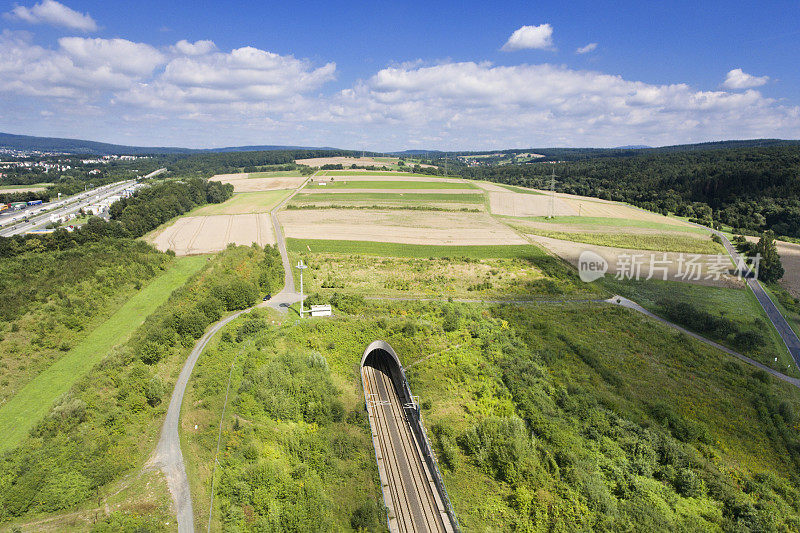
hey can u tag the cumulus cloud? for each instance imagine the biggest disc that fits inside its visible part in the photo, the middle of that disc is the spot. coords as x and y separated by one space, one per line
198 48
591 47
530 37
55 14
738 79
120 55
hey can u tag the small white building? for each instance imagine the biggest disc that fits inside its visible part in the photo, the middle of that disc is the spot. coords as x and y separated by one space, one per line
320 310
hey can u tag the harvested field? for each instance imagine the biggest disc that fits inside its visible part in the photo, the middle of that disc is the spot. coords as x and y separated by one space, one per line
210 234
410 227
675 264
10 189
527 205
388 190
330 175
790 257
244 183
244 203
317 162
412 198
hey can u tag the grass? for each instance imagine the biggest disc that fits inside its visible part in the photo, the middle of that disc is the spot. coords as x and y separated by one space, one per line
276 174
738 305
658 242
593 222
471 198
522 190
34 400
779 295
31 186
243 203
373 173
390 249
360 184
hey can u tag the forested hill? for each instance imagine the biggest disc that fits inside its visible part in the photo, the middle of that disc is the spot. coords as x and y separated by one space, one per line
29 143
749 188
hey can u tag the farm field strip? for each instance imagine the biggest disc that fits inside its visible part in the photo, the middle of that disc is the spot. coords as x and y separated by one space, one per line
411 227
643 239
389 176
412 197
390 184
355 172
389 249
242 183
587 222
243 203
34 400
209 234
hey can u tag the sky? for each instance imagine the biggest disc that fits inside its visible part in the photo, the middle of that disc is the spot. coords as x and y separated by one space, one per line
384 76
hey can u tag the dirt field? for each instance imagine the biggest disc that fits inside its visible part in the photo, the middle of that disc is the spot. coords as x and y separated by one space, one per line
244 203
243 183
209 234
347 161
11 190
790 257
409 227
619 258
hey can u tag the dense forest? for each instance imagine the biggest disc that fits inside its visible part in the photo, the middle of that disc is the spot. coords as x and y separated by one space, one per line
749 189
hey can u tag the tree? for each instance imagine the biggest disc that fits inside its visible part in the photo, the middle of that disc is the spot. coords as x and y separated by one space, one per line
770 268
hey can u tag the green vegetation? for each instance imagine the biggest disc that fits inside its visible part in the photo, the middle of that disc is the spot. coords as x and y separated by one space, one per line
50 301
641 241
522 190
409 250
34 400
372 173
27 186
108 422
243 203
296 452
557 418
278 174
364 184
731 316
601 222
411 198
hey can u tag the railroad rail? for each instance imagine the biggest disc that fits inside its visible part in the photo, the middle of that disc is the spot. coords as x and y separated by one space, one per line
412 486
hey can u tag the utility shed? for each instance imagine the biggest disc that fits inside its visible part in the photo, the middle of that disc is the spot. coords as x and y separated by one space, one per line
320 310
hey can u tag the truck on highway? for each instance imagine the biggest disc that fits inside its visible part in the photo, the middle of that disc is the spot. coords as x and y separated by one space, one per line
3 207
35 202
16 206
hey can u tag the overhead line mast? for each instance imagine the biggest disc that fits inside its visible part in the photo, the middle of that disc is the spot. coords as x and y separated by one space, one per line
553 193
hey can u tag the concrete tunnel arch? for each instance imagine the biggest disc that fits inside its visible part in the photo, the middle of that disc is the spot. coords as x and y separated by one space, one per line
382 349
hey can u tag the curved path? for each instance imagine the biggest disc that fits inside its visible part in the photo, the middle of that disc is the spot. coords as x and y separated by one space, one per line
167 455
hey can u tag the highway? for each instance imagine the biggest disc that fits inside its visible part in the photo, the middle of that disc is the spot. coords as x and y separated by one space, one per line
415 502
70 205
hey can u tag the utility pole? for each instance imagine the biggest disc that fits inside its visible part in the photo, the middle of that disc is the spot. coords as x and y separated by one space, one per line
301 267
553 194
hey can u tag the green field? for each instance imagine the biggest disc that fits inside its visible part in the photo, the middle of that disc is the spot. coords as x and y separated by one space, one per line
276 174
737 305
409 250
413 198
31 186
34 400
243 203
365 184
522 190
656 242
372 173
595 222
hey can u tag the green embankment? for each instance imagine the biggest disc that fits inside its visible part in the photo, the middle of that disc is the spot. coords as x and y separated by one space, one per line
659 242
35 399
594 222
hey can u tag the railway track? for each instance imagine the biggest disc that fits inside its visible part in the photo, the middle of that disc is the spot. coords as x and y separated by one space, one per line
410 492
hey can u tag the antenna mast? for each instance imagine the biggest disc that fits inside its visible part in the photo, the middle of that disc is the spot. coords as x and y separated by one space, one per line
553 193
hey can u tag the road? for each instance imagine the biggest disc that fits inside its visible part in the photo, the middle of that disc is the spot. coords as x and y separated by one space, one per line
776 317
413 499
168 456
71 205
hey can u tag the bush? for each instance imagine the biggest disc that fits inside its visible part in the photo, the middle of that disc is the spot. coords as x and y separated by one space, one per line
370 516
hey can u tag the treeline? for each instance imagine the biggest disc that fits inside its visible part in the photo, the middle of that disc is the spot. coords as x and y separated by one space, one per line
95 432
208 164
130 217
750 189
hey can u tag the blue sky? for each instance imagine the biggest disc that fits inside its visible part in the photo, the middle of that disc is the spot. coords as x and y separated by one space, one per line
447 75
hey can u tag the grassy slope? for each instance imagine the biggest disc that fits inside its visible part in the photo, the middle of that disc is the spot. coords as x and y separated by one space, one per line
738 305
363 184
659 243
373 173
276 174
594 222
35 399
243 203
412 198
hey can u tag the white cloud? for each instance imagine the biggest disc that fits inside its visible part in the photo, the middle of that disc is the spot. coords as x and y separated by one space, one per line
738 79
591 47
55 14
120 55
527 37
198 48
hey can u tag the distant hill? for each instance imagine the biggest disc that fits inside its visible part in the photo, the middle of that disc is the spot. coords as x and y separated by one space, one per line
30 143
633 147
